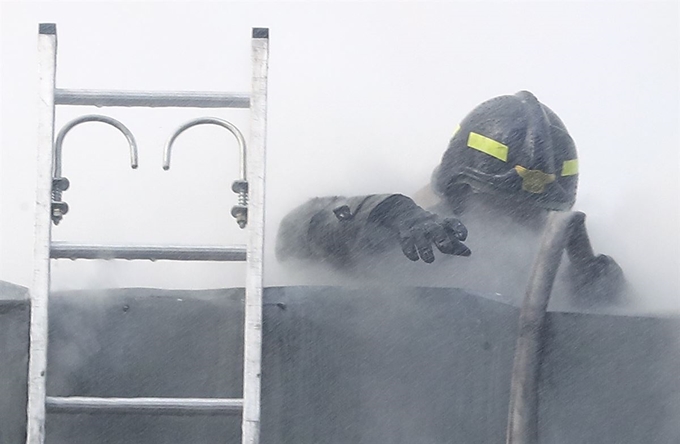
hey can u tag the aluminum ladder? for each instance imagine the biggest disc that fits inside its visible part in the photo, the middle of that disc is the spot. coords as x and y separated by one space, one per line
50 209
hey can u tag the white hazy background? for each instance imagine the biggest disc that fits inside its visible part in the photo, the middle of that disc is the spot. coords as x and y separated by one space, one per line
363 98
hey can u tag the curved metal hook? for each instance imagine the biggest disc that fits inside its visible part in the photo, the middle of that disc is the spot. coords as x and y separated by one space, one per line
134 162
209 121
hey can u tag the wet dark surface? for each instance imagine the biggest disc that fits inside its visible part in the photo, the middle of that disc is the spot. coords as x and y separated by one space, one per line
14 322
370 365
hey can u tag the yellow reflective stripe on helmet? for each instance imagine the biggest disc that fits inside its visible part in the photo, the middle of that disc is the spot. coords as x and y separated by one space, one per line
455 130
488 146
570 167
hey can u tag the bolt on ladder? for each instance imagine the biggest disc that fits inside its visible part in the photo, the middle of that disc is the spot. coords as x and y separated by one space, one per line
50 209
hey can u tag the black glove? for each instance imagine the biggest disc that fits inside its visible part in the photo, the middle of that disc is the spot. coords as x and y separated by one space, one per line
597 280
418 229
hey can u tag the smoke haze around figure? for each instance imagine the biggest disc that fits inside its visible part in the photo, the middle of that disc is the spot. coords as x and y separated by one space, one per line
510 162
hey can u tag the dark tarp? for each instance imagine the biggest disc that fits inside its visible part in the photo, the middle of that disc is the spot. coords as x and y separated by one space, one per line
14 322
364 365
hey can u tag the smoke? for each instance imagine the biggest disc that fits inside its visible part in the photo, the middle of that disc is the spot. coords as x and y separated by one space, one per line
369 111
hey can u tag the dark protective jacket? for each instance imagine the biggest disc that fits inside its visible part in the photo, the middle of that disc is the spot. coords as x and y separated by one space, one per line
341 233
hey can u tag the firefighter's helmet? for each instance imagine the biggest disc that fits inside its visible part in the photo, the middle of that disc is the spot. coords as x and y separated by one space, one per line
515 147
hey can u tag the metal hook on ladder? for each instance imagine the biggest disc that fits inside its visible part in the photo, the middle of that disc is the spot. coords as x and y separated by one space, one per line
61 184
240 186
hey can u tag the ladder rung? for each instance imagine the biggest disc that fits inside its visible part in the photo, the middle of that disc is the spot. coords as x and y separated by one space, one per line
63 250
186 99
156 406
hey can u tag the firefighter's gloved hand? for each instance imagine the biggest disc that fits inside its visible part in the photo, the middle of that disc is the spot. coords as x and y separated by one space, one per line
597 280
418 229
417 233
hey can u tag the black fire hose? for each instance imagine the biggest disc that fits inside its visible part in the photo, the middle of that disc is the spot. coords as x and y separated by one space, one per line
563 230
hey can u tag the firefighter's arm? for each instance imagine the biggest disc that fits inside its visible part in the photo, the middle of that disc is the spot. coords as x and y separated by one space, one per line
329 229
340 230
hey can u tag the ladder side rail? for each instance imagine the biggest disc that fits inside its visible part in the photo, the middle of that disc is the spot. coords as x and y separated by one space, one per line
152 99
47 62
252 353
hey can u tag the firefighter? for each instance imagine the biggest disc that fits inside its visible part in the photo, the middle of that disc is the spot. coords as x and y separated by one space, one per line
509 163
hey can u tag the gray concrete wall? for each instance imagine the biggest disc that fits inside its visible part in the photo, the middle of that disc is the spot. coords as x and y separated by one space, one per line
609 379
340 365
370 365
14 322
